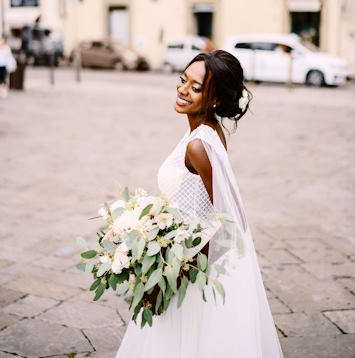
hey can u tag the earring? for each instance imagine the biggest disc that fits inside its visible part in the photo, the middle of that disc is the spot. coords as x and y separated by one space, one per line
214 106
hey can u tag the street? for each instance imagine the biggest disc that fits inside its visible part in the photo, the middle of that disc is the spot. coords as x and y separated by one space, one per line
65 149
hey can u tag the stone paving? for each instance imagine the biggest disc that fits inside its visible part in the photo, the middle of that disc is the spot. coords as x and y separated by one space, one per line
65 149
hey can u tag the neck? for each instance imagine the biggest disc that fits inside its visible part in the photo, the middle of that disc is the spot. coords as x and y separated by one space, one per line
195 121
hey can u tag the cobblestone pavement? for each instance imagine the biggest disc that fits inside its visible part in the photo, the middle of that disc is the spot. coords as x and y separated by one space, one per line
65 149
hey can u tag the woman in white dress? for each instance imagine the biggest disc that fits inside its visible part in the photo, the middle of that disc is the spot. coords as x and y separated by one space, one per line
198 179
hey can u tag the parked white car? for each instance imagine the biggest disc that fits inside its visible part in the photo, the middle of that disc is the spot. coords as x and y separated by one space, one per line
274 57
179 52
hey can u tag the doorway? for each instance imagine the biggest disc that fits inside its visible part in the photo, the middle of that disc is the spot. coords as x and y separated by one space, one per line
203 15
119 24
306 25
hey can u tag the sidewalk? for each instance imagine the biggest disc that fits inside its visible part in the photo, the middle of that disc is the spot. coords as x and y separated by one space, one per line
64 150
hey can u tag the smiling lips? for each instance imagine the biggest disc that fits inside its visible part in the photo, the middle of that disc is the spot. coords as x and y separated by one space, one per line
182 102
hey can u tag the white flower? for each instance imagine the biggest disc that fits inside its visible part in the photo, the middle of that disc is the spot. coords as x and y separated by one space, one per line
155 200
103 212
127 221
140 192
164 220
104 259
181 235
117 204
244 100
120 260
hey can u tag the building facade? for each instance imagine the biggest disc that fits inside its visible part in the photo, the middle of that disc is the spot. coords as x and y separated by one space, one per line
147 25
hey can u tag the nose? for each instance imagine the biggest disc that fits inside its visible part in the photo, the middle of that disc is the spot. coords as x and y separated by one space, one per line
182 89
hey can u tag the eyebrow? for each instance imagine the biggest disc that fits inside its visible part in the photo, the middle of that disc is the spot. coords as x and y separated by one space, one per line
194 80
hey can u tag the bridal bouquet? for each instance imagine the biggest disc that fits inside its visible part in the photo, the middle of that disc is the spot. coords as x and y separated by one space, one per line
140 255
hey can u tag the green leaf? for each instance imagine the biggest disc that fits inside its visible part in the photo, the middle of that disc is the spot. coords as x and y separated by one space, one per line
81 243
99 292
182 291
178 250
107 207
148 261
153 248
188 243
117 213
162 284
193 275
214 294
123 288
172 277
145 211
123 276
136 312
201 280
95 284
202 261
109 246
138 294
113 280
154 278
158 302
103 268
152 234
125 194
81 266
89 267
220 289
88 254
140 248
196 241
203 296
144 320
148 315
138 270
170 235
131 237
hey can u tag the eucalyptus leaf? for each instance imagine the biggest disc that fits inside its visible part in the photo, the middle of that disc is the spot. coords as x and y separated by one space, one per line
89 267
162 284
148 315
138 294
131 238
158 302
178 250
123 276
172 278
99 292
95 284
153 248
170 235
136 312
154 278
148 261
107 207
122 288
201 280
103 268
140 248
109 246
117 212
113 280
88 254
220 289
196 241
182 291
202 261
152 234
81 266
145 211
193 275
125 194
81 243
188 243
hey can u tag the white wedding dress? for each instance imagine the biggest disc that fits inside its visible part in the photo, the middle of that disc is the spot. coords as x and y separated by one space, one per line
241 328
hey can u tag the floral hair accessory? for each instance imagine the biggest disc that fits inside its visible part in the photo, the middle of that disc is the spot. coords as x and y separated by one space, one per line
244 100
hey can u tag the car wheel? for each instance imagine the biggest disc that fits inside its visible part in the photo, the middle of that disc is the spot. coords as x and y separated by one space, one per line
168 68
315 78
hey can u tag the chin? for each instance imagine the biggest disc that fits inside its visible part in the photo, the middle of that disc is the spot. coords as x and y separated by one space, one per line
178 109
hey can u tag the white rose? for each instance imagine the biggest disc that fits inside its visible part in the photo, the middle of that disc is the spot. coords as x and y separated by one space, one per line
120 260
104 259
181 235
127 221
164 220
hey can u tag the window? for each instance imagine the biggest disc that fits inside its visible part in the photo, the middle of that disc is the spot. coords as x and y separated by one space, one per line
243 45
264 46
176 46
20 3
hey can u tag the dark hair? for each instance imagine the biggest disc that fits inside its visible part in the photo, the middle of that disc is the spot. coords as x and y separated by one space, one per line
226 84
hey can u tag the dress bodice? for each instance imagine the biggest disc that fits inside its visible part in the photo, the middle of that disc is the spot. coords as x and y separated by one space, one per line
184 189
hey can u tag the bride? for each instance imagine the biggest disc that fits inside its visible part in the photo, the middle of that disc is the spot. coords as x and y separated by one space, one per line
198 179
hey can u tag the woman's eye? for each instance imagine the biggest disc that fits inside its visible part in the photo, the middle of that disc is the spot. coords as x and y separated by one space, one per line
182 79
196 90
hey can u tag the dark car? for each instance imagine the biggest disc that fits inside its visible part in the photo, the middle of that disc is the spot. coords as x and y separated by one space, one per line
101 54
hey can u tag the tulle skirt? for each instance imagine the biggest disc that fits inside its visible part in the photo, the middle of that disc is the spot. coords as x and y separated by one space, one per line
241 328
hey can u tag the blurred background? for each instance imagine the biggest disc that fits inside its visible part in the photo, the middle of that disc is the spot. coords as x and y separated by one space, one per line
90 107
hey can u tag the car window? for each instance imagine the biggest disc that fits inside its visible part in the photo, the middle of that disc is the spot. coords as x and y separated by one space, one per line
195 48
243 45
176 46
264 46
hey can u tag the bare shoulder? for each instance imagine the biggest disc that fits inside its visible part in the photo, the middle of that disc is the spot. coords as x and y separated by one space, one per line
197 156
